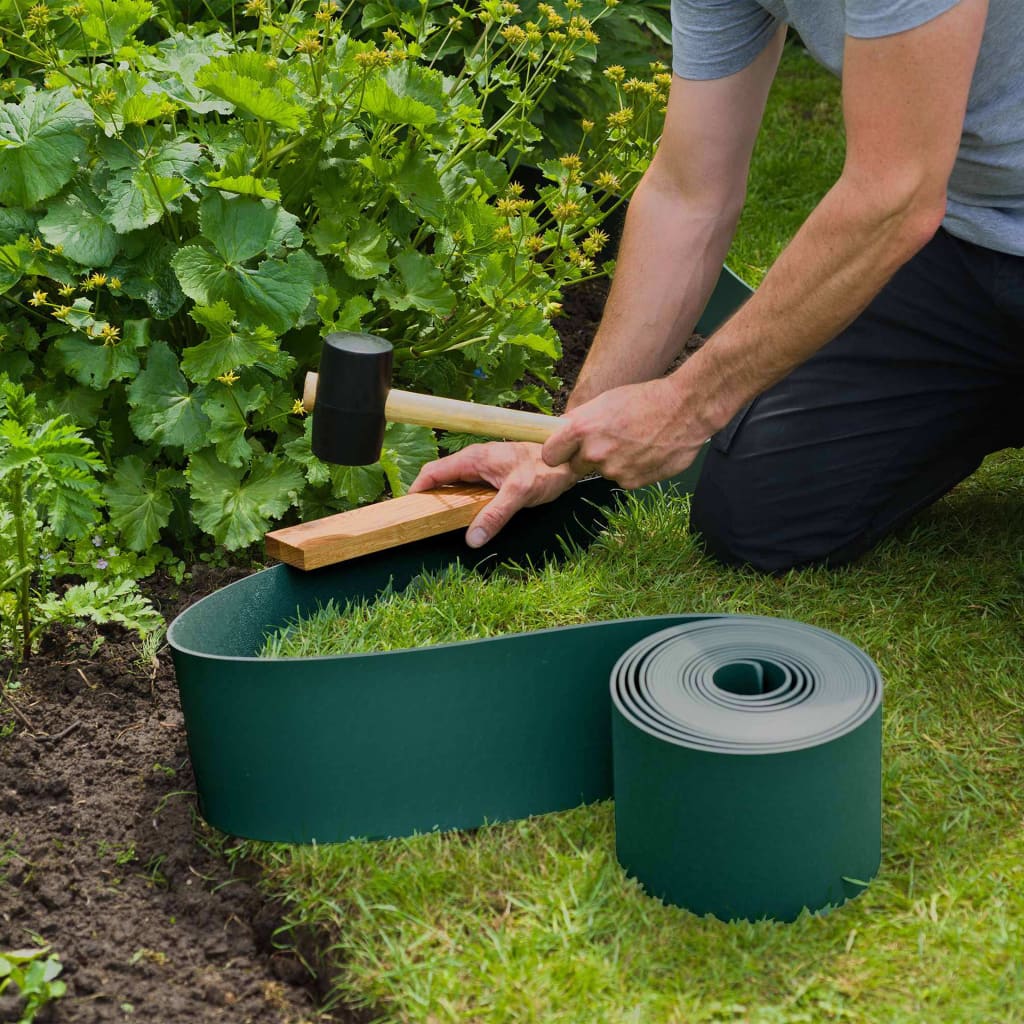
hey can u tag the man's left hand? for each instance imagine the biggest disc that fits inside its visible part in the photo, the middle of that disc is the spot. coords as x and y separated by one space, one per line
634 435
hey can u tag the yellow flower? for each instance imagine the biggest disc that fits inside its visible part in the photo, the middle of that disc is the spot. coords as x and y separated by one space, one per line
616 72
503 233
115 282
514 34
534 244
257 8
67 289
109 333
228 378
620 118
105 97
587 125
325 12
571 161
38 299
608 181
75 10
61 311
298 409
309 43
39 15
58 249
37 244
95 281
565 211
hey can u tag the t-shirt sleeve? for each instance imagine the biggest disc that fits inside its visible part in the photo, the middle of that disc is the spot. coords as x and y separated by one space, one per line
716 38
871 19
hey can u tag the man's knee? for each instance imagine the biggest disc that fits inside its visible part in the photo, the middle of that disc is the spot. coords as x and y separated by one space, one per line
742 522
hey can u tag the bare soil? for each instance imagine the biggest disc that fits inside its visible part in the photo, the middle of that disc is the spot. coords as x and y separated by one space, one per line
103 855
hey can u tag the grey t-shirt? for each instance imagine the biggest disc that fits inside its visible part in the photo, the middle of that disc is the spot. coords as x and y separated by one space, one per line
715 38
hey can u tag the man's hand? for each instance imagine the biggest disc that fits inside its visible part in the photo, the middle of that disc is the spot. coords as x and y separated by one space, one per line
634 435
515 468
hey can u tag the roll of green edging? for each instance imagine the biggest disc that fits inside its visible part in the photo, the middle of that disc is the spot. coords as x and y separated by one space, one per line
372 745
747 767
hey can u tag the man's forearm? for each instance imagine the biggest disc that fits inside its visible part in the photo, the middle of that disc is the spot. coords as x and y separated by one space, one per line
669 260
840 259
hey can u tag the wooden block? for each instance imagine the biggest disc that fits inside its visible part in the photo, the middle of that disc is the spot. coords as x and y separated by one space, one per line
376 527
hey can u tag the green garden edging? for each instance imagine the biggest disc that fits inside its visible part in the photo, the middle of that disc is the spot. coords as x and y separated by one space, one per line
451 736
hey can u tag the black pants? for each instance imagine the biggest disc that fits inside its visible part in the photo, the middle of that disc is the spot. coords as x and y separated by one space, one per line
881 422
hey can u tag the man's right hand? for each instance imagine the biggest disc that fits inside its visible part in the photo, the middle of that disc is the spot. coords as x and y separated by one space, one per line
515 468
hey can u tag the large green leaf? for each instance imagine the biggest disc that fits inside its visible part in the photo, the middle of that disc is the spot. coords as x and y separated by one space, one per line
77 222
240 227
275 293
416 183
95 364
42 138
229 345
405 94
365 255
139 501
265 100
139 199
237 505
228 408
406 449
420 285
163 408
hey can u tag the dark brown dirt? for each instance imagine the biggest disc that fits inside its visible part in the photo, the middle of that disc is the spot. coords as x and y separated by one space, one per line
582 309
103 856
102 853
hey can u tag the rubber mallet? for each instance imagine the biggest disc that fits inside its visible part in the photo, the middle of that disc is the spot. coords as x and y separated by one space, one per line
352 401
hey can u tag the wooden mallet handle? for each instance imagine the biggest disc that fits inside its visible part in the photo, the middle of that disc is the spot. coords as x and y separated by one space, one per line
377 527
451 414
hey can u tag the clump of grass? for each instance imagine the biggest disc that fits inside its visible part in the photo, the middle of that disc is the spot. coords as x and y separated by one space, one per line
535 921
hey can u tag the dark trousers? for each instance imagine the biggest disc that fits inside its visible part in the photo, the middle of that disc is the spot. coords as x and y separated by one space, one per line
881 422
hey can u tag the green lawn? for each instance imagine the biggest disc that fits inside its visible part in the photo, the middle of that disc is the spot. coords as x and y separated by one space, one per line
535 921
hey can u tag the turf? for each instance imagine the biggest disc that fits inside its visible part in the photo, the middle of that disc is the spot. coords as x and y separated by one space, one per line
535 921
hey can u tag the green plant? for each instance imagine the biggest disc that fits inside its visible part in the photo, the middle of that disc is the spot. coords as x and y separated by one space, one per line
189 207
35 979
50 493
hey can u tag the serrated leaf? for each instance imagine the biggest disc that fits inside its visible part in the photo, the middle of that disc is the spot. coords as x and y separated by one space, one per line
228 409
94 364
138 501
301 451
78 223
358 485
111 22
420 286
15 263
546 344
229 345
236 505
416 183
240 228
265 103
406 449
405 95
42 139
275 293
139 199
163 408
365 255
246 185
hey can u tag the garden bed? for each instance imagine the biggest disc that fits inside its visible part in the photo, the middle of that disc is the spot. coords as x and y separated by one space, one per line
104 856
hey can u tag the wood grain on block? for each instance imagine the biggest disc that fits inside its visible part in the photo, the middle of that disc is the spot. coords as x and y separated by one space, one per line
377 527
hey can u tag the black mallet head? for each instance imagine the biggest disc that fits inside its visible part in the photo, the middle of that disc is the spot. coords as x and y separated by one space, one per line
352 389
